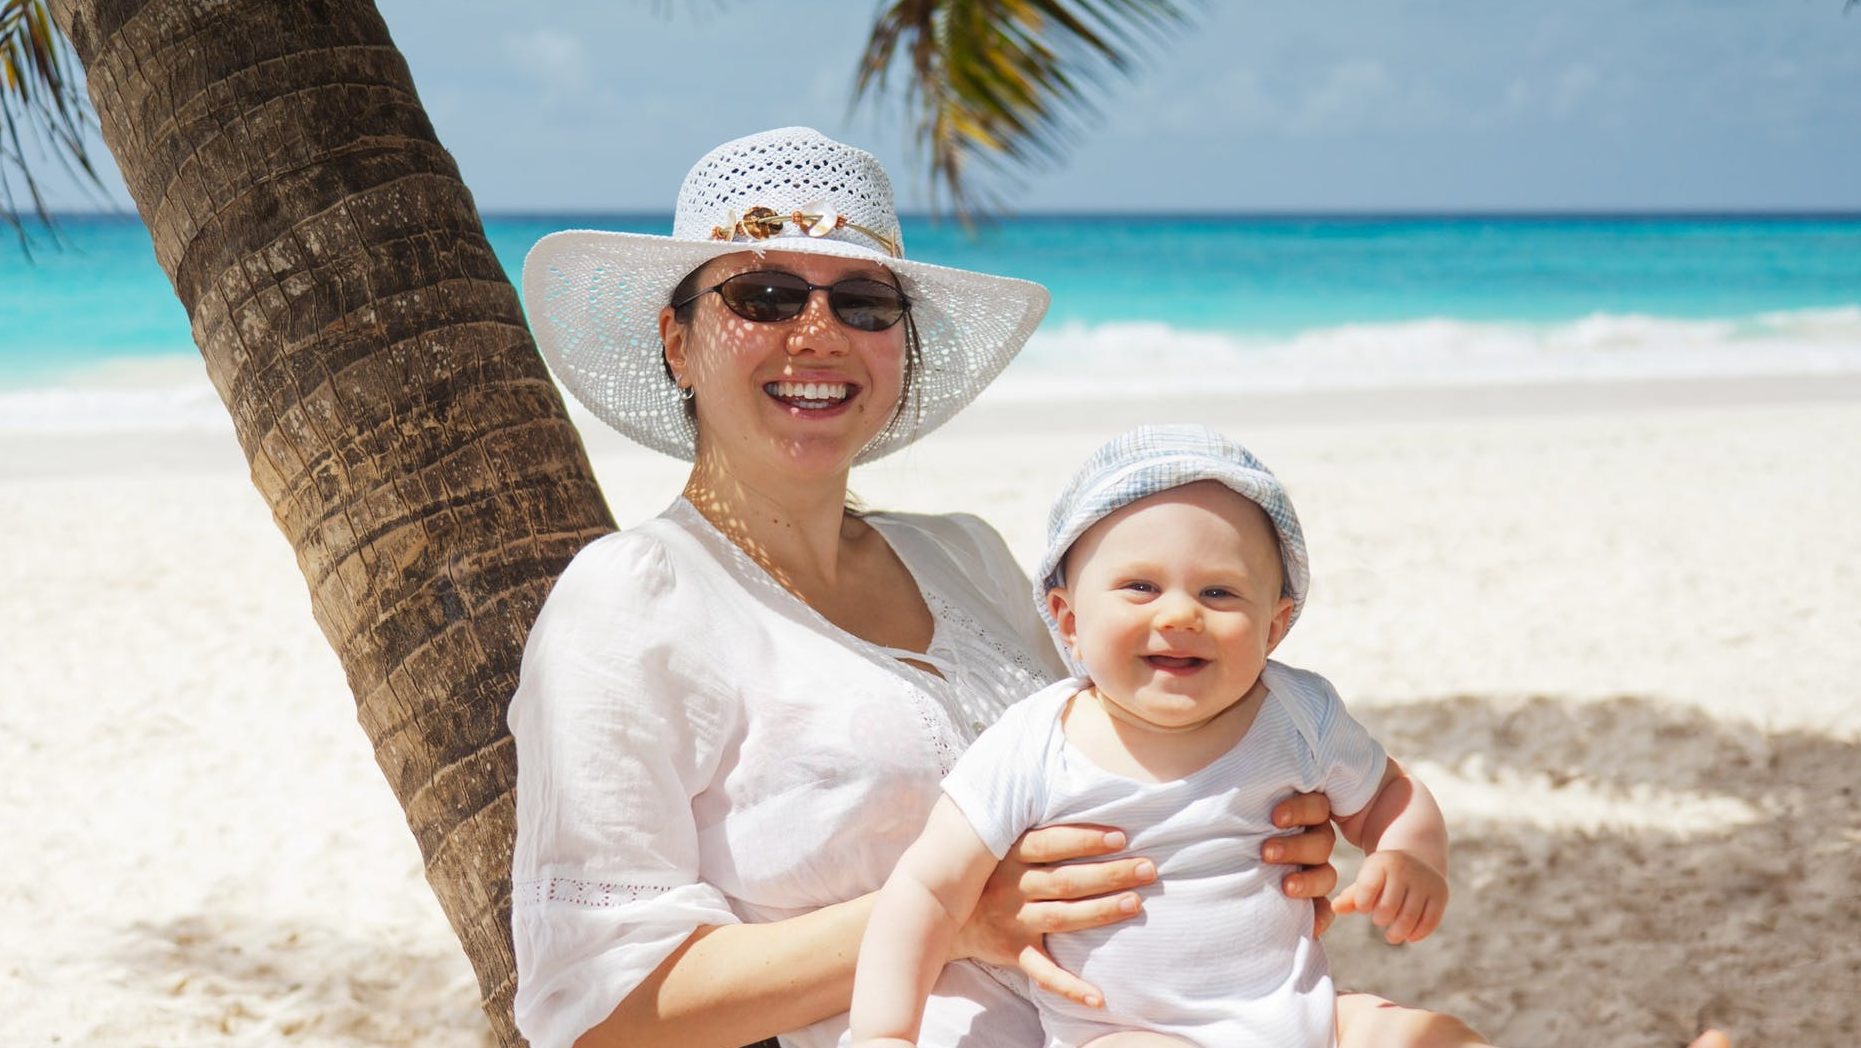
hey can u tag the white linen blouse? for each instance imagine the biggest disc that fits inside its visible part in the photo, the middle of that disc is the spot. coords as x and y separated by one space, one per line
697 746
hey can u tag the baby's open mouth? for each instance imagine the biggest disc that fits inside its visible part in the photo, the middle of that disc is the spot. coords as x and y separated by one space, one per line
810 396
1175 662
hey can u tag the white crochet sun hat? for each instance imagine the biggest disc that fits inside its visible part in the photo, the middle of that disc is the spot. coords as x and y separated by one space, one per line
594 296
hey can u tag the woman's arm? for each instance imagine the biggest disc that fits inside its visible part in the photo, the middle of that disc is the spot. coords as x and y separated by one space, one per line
735 984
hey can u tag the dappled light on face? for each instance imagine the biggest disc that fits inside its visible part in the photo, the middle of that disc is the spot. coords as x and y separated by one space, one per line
734 365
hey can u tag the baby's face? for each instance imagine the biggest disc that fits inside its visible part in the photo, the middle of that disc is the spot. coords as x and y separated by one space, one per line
1173 603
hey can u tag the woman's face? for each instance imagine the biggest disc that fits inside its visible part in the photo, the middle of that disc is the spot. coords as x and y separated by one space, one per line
786 398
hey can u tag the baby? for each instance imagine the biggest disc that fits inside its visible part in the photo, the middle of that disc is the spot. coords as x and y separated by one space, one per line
1175 565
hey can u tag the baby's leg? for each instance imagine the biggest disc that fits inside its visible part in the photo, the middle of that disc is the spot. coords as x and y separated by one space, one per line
1137 1039
1368 1021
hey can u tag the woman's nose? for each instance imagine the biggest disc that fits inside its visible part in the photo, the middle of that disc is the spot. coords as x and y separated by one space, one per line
817 329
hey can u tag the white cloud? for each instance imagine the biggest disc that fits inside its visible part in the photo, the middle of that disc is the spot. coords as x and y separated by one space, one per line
1570 91
558 61
1347 97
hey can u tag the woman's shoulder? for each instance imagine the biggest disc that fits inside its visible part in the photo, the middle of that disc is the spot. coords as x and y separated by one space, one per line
647 562
635 559
649 554
966 537
968 525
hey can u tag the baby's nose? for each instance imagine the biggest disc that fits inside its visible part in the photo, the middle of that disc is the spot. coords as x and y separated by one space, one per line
1178 611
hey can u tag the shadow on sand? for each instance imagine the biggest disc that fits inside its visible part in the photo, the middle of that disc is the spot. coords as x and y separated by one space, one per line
259 981
1640 934
1597 936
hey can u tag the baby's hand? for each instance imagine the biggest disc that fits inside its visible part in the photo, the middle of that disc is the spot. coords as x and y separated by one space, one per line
1400 893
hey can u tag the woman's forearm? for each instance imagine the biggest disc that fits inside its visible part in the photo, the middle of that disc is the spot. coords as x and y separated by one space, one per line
735 984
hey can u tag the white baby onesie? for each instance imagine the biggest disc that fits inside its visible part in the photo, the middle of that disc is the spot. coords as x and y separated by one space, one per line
1219 955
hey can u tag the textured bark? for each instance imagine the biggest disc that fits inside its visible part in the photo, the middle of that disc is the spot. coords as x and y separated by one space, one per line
388 396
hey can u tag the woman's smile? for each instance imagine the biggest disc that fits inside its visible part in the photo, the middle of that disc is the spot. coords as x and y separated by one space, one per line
817 399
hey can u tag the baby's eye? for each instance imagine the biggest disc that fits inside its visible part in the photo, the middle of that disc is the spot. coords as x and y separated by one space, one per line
1218 593
1137 586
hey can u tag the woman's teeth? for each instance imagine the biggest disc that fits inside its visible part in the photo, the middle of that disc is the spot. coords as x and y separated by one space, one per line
808 394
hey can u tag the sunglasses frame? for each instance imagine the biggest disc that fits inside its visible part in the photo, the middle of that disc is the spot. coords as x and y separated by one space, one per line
903 299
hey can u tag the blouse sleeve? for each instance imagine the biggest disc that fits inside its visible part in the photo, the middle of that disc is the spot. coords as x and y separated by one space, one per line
998 574
616 731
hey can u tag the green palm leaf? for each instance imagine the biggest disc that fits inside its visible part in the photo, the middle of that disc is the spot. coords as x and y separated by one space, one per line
41 103
1003 83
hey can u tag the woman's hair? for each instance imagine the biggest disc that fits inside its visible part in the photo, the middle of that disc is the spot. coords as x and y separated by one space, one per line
687 293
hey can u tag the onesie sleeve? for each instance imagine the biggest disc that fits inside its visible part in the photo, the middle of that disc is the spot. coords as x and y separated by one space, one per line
999 575
616 730
1350 760
1000 782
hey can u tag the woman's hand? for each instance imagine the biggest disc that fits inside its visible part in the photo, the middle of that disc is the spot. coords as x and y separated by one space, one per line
1310 848
1027 898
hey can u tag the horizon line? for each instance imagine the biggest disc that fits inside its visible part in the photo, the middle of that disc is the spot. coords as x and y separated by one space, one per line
1176 214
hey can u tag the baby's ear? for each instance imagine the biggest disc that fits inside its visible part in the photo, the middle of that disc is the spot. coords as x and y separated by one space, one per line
1059 605
1282 621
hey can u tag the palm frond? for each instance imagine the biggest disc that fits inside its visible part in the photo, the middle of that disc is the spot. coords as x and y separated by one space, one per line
41 103
1004 84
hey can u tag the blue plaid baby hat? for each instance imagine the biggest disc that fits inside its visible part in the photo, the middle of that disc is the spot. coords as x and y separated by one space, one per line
1150 459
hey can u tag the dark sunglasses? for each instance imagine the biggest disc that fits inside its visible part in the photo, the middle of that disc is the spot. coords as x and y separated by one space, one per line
770 296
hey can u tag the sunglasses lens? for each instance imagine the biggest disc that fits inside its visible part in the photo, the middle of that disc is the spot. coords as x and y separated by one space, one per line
765 297
866 305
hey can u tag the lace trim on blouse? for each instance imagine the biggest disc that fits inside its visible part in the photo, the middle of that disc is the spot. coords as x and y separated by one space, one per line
592 894
990 672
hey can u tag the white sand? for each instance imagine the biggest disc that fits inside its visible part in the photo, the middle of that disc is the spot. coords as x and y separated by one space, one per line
1614 627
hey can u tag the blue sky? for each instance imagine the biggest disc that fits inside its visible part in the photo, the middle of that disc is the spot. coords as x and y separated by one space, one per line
1441 105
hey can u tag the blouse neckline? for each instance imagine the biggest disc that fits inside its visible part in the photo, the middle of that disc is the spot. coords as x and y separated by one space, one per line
889 655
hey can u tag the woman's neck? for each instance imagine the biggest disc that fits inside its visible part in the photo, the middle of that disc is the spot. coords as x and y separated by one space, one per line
791 526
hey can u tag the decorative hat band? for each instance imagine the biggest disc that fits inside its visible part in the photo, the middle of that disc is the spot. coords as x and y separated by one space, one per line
815 220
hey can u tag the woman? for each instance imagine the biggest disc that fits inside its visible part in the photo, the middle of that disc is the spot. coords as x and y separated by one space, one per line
733 718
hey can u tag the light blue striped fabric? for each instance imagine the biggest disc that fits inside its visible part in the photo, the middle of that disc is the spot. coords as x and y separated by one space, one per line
1151 459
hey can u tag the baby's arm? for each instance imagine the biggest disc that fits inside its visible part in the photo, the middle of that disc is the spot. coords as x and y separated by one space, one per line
924 902
1403 882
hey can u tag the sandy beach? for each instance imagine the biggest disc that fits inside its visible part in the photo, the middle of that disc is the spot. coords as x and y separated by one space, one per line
1613 626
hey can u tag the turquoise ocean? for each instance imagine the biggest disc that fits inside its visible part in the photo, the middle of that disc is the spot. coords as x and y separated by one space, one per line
93 337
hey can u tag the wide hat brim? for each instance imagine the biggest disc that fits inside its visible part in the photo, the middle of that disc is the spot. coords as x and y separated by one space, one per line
594 297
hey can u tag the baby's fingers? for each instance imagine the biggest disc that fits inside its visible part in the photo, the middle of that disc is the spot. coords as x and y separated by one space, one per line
1362 895
1055 979
1388 902
1402 929
1432 913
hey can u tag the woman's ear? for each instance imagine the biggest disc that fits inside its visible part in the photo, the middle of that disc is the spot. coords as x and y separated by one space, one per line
1282 621
672 335
1059 605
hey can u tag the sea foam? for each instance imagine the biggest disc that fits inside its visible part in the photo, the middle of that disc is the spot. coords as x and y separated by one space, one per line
1121 360
1157 359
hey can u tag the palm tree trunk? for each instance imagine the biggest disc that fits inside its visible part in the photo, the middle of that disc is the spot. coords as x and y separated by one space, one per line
381 380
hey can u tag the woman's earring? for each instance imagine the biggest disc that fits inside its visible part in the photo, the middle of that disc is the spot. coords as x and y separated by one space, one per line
686 393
